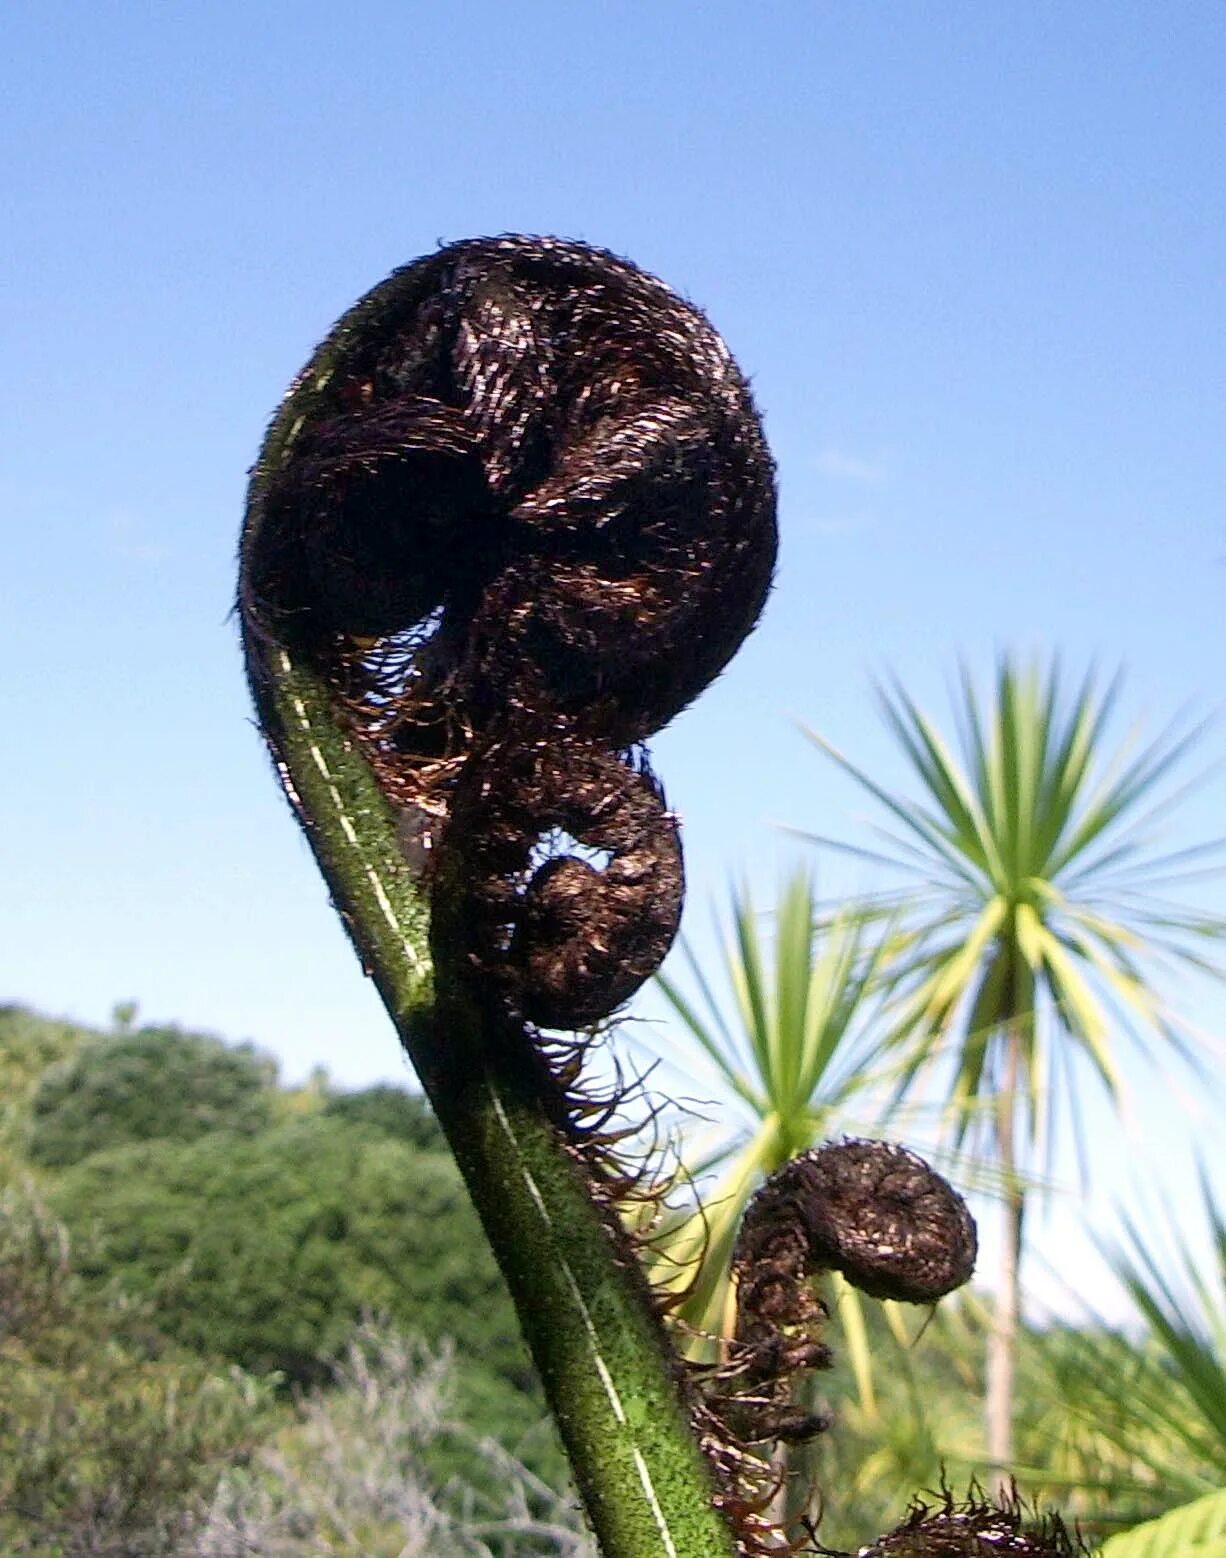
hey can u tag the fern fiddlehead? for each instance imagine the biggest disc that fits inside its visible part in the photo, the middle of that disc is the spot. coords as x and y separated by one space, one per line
870 1209
513 515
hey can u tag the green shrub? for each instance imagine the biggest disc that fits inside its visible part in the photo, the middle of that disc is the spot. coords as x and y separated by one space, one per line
29 1044
109 1443
265 1250
385 1463
154 1084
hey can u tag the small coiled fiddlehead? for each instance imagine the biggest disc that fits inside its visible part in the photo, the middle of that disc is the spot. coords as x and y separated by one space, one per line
869 1209
897 1230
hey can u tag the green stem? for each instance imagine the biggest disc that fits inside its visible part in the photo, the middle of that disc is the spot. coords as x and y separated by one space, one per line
607 1368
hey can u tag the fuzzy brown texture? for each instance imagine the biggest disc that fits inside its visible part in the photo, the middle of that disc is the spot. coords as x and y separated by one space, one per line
531 518
972 1529
567 939
870 1209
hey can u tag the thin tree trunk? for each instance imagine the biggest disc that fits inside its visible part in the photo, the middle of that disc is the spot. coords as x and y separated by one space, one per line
1002 1339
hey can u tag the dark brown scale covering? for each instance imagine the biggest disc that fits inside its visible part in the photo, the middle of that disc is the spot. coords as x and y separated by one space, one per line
528 516
869 1209
974 1528
567 940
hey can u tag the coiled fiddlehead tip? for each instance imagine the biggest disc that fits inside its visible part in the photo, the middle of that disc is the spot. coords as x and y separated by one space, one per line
524 515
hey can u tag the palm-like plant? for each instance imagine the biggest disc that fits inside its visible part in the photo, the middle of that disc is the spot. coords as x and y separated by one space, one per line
791 1052
1140 1414
1033 918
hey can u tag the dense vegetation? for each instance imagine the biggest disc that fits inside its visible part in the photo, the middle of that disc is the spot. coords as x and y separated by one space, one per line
267 1323
186 1248
160 1084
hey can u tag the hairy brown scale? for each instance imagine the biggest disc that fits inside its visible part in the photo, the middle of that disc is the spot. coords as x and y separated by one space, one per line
531 516
973 1528
870 1209
570 940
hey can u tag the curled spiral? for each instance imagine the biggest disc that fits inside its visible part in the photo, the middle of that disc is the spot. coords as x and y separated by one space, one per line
869 1209
528 516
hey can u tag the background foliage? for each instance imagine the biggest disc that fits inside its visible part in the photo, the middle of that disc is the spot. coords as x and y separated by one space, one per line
158 1084
187 1245
188 1364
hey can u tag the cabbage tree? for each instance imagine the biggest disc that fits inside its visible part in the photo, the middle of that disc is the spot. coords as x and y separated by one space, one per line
1038 920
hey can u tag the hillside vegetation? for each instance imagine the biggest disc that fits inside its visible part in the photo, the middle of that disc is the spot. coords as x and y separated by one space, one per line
243 1318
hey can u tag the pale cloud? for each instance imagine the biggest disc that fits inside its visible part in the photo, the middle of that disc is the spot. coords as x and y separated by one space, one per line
840 465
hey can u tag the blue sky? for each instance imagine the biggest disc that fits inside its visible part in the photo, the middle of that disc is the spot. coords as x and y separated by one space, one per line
970 255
